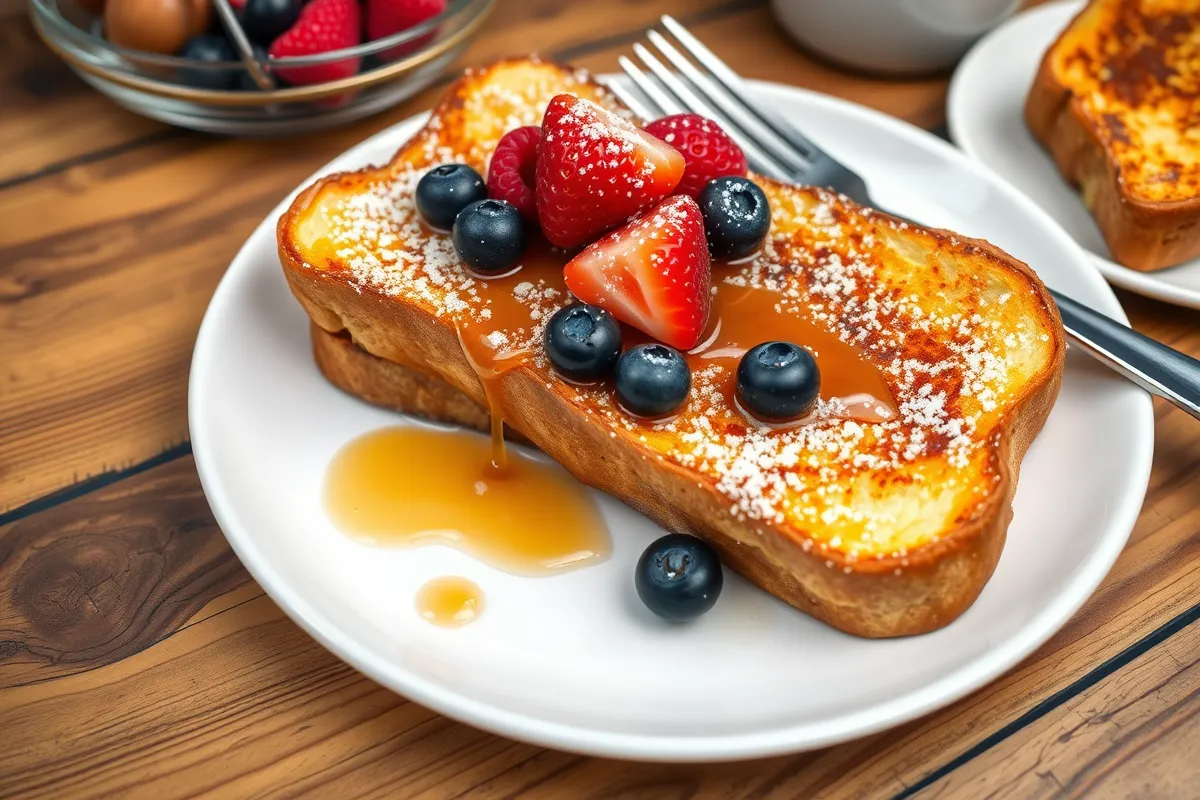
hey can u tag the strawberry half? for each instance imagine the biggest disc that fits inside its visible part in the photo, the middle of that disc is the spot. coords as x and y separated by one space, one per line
595 171
652 274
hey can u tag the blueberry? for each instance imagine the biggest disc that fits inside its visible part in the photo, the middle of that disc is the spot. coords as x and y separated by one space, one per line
446 190
736 216
245 82
583 342
264 21
370 62
778 381
653 380
679 577
489 235
211 48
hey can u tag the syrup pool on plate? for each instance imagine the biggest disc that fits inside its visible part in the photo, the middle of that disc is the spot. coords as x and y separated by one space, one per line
412 485
450 601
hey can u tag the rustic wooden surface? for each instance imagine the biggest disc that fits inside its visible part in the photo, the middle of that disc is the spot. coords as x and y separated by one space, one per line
137 658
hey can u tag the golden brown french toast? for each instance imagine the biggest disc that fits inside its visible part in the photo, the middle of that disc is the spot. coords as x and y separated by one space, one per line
883 514
1116 102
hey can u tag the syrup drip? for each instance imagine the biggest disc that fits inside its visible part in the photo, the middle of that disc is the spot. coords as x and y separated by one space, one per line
497 344
450 602
741 318
411 486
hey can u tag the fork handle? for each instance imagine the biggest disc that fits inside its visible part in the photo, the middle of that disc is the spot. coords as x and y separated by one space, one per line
1155 367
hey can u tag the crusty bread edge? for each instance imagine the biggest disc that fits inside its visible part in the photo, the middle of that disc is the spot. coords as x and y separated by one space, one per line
924 590
1141 235
966 567
936 583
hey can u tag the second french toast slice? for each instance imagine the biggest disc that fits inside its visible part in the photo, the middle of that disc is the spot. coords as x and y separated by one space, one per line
1116 102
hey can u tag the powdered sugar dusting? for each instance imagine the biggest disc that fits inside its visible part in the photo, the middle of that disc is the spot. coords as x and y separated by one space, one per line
947 371
377 232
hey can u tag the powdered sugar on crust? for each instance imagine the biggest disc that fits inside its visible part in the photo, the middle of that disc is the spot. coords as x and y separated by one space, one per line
379 236
948 370
947 362
376 232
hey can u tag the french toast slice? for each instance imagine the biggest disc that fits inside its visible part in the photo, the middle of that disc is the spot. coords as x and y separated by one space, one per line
1116 102
880 527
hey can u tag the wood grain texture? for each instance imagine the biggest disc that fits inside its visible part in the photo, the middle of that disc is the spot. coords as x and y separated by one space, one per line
93 581
1127 737
138 659
134 245
50 116
237 701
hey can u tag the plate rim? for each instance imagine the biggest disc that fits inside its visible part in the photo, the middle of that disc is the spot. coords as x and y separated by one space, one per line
1146 284
674 748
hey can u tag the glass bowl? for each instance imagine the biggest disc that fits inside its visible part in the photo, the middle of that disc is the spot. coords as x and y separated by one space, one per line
178 91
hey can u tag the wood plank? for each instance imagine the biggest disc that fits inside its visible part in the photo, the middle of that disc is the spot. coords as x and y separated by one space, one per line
133 245
141 661
1125 737
108 574
50 115
238 701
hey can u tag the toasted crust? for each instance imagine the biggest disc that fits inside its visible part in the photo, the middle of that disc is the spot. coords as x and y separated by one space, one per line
1110 102
935 589
953 505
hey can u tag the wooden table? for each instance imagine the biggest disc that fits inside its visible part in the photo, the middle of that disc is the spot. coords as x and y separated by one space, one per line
137 657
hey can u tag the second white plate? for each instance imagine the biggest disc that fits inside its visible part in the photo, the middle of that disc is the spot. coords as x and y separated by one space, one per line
985 113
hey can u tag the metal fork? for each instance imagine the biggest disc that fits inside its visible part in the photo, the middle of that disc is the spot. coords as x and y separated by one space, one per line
704 84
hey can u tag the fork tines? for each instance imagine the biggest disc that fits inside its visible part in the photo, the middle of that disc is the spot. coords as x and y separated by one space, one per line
705 85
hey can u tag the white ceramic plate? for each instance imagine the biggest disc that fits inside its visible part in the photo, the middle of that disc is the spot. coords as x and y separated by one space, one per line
573 661
985 113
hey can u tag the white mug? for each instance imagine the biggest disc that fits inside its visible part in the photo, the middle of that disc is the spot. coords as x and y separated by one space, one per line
891 36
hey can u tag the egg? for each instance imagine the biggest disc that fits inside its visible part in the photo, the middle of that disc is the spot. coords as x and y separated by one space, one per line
203 9
155 26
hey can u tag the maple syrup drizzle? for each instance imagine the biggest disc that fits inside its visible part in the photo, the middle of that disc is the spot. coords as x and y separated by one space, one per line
496 344
410 486
741 318
450 601
745 316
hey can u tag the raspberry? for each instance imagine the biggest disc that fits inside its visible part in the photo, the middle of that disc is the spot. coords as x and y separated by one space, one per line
707 150
511 174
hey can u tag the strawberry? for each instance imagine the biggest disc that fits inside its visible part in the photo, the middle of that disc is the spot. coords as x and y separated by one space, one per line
595 171
323 25
652 274
385 17
708 150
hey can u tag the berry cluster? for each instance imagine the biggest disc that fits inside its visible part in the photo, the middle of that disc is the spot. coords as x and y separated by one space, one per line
646 212
651 209
276 28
